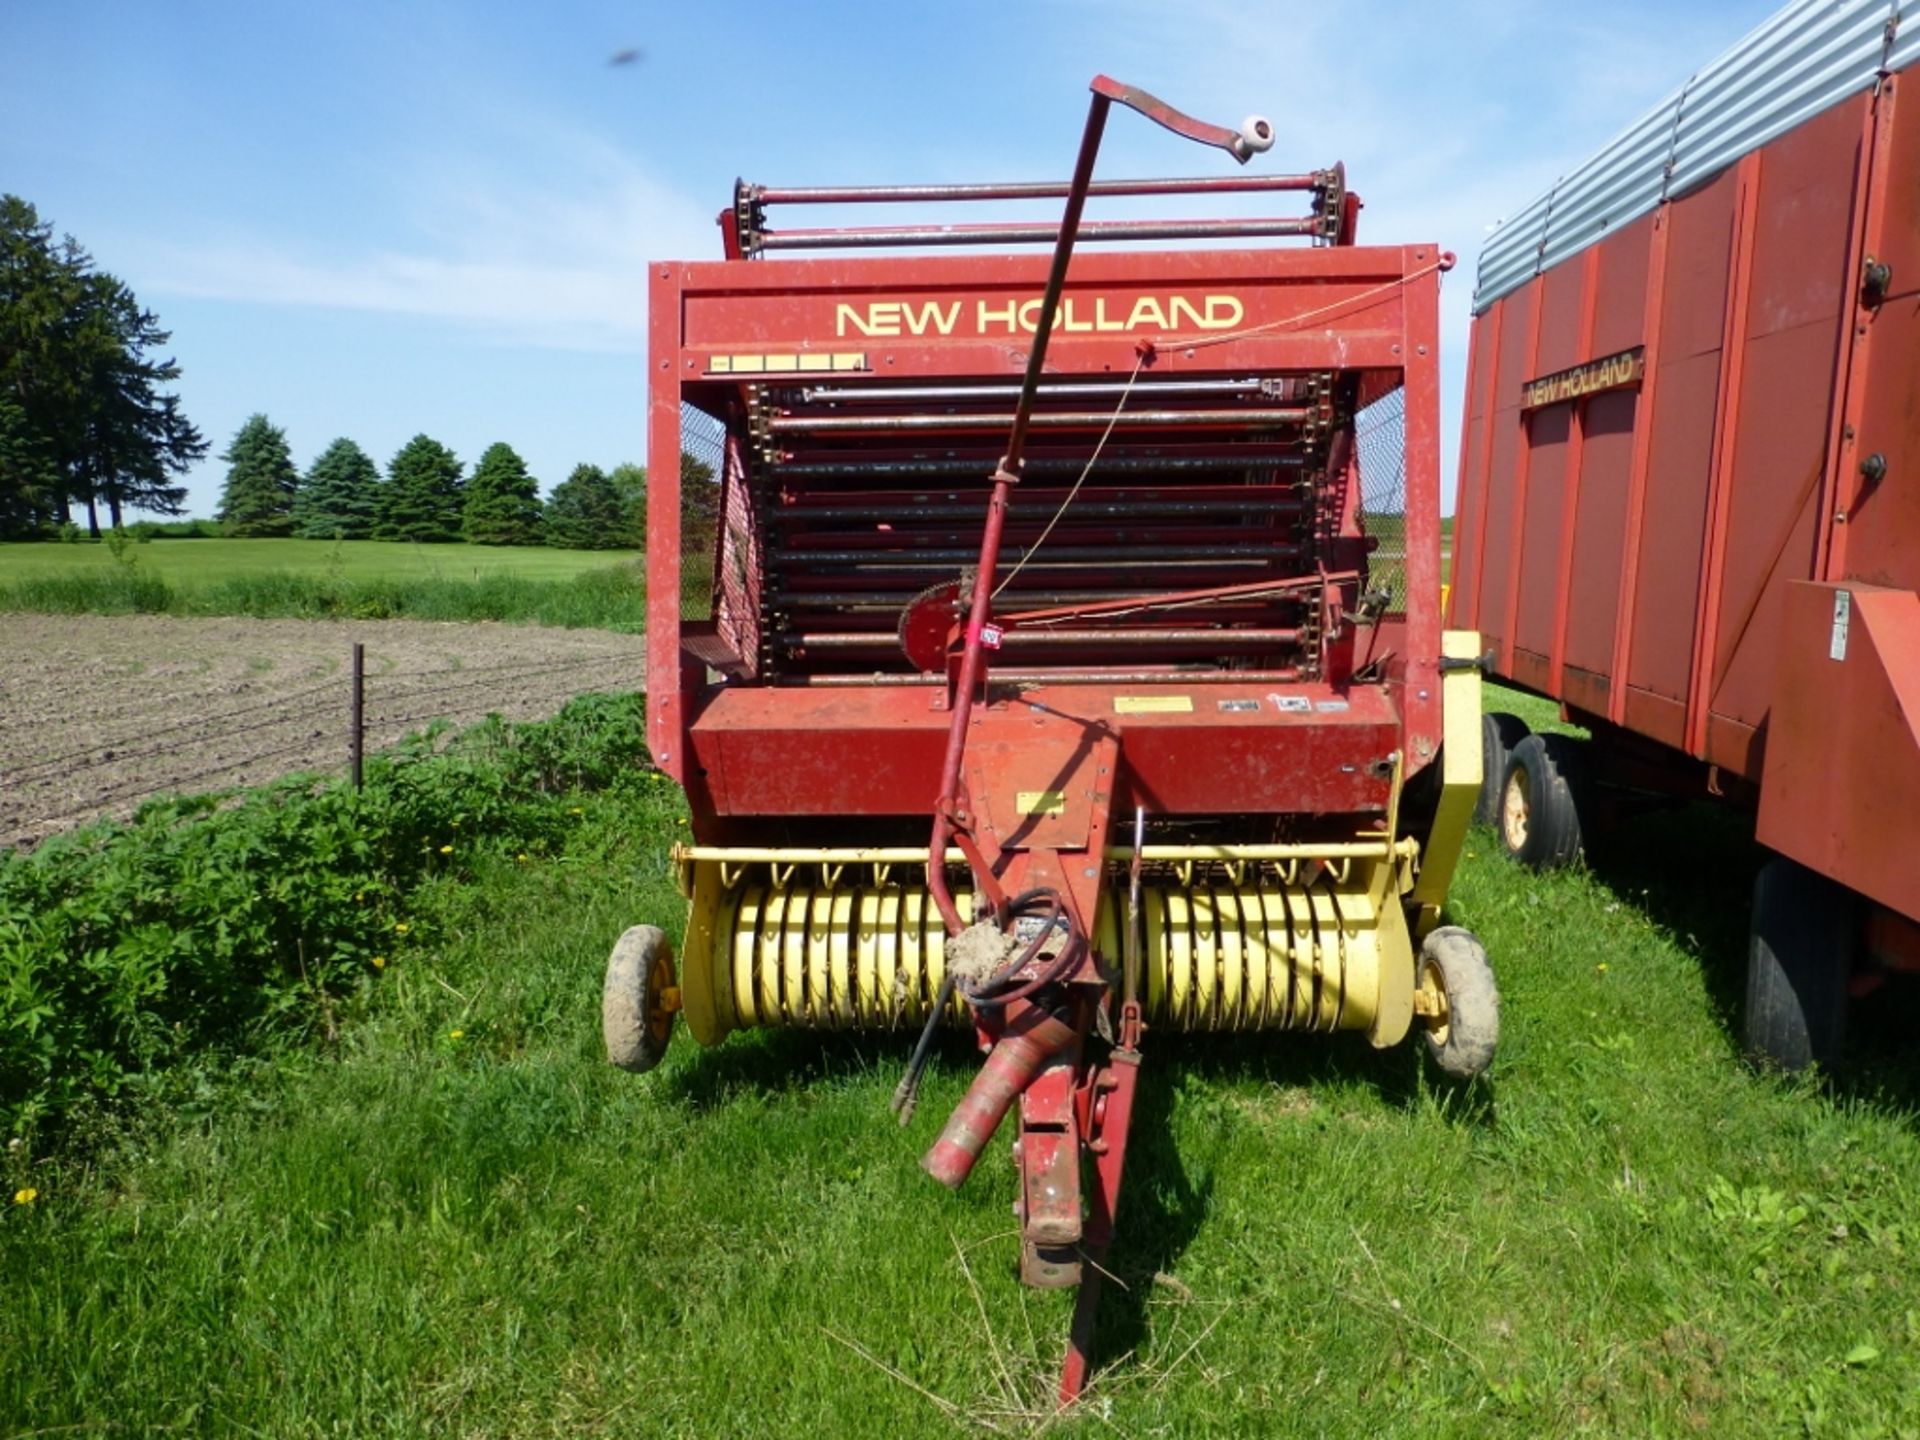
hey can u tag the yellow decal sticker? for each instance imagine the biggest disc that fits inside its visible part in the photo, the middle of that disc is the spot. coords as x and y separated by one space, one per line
1041 802
812 362
1152 704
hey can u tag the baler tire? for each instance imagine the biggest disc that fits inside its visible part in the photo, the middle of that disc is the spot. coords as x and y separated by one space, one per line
636 1018
1541 797
1462 1045
1499 733
1800 948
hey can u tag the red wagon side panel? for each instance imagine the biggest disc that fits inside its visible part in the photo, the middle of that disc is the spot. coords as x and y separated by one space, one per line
1795 303
1586 622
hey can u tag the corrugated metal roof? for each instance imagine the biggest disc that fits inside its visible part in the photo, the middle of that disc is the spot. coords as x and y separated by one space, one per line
1809 56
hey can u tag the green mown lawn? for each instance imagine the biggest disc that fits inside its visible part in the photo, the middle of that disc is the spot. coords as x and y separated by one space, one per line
206 562
313 579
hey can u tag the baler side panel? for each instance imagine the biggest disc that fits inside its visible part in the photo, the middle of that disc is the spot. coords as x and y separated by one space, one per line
669 687
1470 482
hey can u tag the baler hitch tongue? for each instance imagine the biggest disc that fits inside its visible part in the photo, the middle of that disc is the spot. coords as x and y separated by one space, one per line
1040 1007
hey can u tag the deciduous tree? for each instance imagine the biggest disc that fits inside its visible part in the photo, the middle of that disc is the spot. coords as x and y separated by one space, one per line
630 484
583 513
699 506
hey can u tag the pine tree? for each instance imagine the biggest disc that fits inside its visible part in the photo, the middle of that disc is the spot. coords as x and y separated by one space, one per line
423 494
337 499
503 501
75 360
257 499
29 480
583 513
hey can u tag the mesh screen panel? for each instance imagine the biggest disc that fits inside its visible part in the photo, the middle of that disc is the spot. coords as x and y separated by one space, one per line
1380 431
703 468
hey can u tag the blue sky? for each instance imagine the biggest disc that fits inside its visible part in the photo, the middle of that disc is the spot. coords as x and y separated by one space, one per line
379 219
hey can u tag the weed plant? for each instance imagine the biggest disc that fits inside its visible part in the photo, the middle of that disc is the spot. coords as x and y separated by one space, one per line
218 924
612 598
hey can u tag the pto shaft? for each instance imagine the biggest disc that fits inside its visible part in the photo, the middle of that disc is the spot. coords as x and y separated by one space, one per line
1031 1041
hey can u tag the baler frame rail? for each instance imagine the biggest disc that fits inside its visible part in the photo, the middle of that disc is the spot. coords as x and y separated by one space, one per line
1331 220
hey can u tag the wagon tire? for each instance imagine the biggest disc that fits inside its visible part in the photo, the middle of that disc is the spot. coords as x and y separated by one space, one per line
1799 956
1499 733
638 1002
1462 1041
1542 794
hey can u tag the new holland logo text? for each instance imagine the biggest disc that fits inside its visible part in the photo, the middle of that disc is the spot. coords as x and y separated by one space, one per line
1613 372
1078 314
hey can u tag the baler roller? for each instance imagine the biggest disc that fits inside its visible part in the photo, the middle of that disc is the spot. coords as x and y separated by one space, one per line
1087 675
891 507
1223 641
891 468
1104 555
889 394
1291 945
1272 416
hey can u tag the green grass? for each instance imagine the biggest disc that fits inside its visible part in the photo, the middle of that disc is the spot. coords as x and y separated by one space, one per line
456 1220
200 563
316 579
1541 714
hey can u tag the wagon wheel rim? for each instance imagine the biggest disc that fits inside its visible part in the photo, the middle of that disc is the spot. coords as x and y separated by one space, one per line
1515 813
663 998
1439 1017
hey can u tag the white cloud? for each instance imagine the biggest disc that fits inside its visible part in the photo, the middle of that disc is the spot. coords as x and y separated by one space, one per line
560 264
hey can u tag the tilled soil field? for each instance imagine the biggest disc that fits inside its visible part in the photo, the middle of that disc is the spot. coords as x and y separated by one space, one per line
98 713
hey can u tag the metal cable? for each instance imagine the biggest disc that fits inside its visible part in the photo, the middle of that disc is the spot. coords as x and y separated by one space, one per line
1086 470
495 678
1196 342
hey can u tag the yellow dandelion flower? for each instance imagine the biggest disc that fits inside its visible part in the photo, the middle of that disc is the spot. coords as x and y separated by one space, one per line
400 927
456 1034
446 849
576 810
379 962
522 857
1601 967
25 1196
